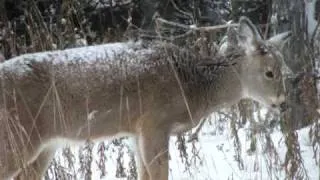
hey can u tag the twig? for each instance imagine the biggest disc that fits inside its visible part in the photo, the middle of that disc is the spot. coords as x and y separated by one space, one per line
195 28
161 20
217 27
181 11
194 136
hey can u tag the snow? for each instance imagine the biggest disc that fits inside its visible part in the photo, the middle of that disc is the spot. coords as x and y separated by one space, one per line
217 155
217 152
109 3
312 23
89 54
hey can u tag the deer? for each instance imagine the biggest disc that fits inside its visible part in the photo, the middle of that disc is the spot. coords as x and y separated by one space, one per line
149 90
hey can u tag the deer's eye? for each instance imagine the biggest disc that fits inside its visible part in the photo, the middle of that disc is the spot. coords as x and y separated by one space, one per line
269 74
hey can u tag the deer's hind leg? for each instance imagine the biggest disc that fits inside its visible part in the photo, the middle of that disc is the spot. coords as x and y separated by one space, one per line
24 166
36 169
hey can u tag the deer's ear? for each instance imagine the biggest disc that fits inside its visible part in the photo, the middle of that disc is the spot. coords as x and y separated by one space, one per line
229 41
279 40
248 33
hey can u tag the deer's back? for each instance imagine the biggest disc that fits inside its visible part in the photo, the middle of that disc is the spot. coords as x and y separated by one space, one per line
58 97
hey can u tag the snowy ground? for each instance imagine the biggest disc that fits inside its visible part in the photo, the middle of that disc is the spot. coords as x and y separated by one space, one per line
217 156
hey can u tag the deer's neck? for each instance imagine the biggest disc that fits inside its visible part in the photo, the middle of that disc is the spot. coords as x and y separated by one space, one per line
210 83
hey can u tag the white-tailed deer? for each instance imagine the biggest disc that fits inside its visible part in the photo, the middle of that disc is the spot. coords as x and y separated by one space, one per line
150 90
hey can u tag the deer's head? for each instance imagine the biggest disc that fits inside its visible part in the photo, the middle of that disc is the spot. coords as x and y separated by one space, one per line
262 69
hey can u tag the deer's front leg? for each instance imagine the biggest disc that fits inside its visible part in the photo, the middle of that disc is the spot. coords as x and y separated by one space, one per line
142 171
153 145
154 151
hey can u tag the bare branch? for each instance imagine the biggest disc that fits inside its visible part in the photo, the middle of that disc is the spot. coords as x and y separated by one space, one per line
215 28
194 27
174 24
